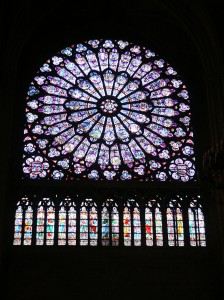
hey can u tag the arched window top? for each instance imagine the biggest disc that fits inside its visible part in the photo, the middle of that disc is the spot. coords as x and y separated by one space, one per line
108 110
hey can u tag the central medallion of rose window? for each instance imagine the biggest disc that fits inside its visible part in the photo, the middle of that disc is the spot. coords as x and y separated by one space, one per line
109 106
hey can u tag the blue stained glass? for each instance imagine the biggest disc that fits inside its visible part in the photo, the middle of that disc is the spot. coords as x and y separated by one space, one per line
102 95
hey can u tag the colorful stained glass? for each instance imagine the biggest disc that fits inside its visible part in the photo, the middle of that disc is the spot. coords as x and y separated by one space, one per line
65 217
23 223
108 110
175 228
132 224
137 226
50 225
72 226
127 226
153 224
88 223
62 228
45 222
18 225
105 216
40 225
196 224
28 226
67 223
110 223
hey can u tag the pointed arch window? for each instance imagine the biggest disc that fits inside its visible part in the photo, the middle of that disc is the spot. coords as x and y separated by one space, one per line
175 228
88 223
45 231
23 222
67 222
132 223
110 223
153 224
196 223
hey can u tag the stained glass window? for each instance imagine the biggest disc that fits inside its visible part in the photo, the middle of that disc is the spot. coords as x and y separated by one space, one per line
196 224
88 223
109 110
67 223
23 222
153 224
110 223
175 228
74 221
45 222
132 224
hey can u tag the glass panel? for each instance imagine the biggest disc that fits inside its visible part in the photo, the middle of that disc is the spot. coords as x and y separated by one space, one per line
72 226
127 226
50 226
137 227
148 227
105 227
18 226
93 226
84 227
115 226
62 218
28 226
40 226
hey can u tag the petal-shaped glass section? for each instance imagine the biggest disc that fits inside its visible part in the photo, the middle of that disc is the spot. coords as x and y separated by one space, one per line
108 110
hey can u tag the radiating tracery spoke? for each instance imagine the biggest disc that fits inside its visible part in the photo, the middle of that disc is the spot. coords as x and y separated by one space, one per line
108 110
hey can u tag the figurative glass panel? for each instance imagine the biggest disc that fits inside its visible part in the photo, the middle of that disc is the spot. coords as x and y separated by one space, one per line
40 225
28 226
45 229
88 223
196 224
50 225
137 226
67 223
115 225
62 228
84 227
23 224
131 224
175 228
18 225
93 226
127 226
105 226
72 226
108 110
153 224
110 223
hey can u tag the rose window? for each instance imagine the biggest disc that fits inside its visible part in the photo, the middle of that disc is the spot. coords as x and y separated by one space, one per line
109 110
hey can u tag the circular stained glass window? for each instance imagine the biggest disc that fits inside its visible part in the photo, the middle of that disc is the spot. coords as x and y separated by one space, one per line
108 110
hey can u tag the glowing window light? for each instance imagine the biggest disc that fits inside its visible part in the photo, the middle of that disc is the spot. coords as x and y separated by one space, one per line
153 224
45 222
67 222
88 223
101 109
196 224
131 224
175 227
110 223
23 222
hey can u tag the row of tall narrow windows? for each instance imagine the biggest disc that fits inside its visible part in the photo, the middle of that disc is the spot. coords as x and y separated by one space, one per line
108 224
